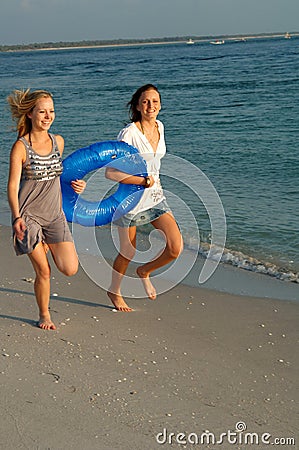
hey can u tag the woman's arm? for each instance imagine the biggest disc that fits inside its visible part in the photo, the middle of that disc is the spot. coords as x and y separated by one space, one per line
17 158
127 135
125 178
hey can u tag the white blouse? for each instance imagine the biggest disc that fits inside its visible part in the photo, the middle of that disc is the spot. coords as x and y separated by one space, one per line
133 136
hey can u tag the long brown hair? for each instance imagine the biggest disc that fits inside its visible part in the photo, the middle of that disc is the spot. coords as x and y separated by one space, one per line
134 114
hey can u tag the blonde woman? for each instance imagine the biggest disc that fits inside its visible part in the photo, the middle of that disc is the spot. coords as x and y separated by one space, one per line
34 194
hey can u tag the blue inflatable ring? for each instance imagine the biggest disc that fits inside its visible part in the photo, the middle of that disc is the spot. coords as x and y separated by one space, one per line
116 154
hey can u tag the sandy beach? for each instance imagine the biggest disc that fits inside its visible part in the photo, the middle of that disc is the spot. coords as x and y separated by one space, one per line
192 365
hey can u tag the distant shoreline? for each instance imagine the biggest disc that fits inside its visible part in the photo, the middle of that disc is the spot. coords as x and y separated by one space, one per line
134 42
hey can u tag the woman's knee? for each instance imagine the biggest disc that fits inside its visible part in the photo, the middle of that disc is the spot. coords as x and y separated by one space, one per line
65 258
69 269
43 271
127 252
175 248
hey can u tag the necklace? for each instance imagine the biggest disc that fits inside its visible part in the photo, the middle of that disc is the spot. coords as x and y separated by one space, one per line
150 137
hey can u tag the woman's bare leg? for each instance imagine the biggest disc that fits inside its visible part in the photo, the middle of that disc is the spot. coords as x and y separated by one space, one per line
42 269
66 260
174 246
65 257
127 241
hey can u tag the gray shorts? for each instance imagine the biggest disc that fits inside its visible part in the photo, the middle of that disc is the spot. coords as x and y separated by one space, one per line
143 217
52 233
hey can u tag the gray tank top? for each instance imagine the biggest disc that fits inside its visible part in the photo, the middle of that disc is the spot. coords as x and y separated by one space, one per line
40 192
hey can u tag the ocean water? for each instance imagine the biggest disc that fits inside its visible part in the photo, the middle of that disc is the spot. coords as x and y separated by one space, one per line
232 111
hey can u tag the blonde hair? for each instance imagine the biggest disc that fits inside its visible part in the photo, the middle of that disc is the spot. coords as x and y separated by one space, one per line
21 103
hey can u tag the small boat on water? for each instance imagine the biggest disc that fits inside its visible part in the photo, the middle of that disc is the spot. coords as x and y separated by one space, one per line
239 40
190 42
287 36
218 42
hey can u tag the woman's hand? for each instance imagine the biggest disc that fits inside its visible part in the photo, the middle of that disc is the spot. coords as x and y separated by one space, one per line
78 186
19 228
152 181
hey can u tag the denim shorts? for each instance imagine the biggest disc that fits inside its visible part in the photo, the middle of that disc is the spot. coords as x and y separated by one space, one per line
143 217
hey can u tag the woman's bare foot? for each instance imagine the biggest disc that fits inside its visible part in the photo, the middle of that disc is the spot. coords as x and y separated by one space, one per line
45 323
119 302
147 284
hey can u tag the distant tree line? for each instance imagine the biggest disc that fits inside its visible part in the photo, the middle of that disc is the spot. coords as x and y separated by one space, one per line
85 43
111 42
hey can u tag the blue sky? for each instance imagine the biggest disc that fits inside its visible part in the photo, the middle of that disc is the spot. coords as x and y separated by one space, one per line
27 21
